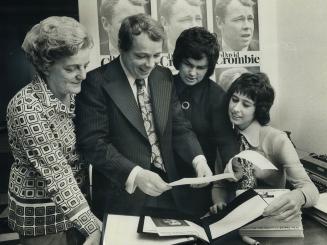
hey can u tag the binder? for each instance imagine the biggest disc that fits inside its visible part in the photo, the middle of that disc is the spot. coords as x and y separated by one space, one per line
244 209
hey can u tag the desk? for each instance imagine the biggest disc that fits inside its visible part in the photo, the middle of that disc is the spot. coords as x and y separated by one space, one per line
121 230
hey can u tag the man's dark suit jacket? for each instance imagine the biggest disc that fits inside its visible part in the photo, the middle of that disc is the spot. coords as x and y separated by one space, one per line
111 135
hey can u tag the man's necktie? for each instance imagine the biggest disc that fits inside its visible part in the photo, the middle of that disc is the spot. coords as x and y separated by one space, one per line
248 180
146 110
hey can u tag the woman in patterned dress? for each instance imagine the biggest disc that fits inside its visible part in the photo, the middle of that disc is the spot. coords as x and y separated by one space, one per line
46 204
250 99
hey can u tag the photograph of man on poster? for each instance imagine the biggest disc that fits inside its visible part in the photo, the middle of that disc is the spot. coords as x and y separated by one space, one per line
235 21
111 13
176 16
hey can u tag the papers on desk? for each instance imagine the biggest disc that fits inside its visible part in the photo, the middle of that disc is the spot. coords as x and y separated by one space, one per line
167 227
270 227
319 211
121 230
322 203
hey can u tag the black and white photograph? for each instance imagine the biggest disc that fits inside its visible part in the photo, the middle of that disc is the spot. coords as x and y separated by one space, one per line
178 15
143 122
110 15
236 24
161 222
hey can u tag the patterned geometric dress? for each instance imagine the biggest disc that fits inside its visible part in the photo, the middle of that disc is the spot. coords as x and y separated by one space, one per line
46 176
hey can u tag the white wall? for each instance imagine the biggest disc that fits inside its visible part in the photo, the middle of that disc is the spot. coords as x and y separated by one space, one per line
297 58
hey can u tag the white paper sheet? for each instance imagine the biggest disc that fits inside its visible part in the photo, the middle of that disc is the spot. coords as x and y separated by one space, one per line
254 157
122 230
241 215
202 180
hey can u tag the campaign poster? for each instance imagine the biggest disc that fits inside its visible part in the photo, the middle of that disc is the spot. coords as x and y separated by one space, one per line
110 16
176 16
103 18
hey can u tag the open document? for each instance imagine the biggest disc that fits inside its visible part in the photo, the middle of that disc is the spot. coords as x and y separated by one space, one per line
203 180
121 230
245 208
269 226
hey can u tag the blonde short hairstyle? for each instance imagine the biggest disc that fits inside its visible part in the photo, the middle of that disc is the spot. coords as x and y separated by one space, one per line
55 38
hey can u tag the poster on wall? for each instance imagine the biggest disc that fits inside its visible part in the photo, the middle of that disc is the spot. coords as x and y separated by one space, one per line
110 16
235 23
237 27
176 16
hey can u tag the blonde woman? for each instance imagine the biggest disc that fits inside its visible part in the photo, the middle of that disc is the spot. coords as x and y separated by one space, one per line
46 204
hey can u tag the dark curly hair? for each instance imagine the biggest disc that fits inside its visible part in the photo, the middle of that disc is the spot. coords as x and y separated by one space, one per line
257 87
196 43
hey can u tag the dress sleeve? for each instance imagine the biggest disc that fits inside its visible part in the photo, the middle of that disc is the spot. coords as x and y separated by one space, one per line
227 144
42 151
296 175
185 142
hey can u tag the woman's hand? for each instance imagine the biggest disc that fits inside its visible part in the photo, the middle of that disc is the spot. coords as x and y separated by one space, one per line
287 206
217 207
219 198
93 239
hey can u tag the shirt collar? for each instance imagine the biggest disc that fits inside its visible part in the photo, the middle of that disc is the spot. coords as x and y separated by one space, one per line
251 133
47 98
129 76
226 47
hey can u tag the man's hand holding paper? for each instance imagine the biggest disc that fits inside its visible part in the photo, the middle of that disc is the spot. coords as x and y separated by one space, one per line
202 170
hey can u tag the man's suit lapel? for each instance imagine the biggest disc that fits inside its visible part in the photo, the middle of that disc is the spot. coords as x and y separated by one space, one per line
160 89
117 86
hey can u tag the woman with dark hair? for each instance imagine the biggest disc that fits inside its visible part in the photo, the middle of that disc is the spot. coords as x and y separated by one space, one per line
46 203
250 99
204 104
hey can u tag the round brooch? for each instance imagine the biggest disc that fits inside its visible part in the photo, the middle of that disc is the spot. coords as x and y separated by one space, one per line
185 105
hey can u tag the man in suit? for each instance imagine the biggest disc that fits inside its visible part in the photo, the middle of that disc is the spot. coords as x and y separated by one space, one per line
235 22
178 15
111 14
130 123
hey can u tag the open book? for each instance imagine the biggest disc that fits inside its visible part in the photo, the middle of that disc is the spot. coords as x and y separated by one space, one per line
245 208
269 226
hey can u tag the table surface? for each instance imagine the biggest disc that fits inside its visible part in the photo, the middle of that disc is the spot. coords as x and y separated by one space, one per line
121 230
